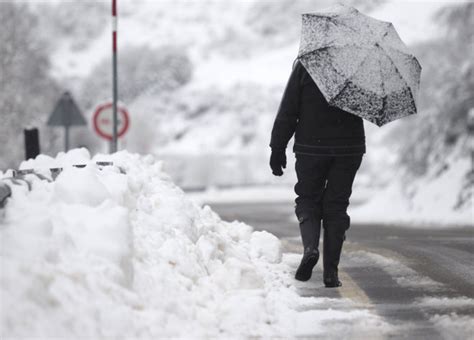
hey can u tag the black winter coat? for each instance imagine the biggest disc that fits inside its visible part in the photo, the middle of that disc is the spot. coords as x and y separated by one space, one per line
319 129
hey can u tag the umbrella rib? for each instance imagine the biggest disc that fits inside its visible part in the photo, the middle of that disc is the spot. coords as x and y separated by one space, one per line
346 82
334 21
351 28
401 76
396 68
339 22
384 97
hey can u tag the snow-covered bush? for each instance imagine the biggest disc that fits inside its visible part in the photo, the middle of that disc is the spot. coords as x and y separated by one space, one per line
433 147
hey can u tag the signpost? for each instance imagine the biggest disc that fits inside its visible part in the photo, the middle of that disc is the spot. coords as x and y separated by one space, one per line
66 114
113 144
104 123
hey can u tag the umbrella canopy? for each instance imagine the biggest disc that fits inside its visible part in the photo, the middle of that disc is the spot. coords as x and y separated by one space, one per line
360 64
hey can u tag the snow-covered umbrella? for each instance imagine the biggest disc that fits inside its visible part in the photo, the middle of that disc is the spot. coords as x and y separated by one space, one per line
360 64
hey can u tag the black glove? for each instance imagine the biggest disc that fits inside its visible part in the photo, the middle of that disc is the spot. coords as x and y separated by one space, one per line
278 161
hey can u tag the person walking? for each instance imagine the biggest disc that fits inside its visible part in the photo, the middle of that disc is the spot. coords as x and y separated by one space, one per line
349 66
329 146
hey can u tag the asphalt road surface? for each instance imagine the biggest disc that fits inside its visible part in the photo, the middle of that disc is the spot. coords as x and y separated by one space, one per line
418 280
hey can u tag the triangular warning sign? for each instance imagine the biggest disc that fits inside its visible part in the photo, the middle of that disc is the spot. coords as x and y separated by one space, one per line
66 113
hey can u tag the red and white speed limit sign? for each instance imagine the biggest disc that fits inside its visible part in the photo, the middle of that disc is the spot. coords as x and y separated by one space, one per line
103 121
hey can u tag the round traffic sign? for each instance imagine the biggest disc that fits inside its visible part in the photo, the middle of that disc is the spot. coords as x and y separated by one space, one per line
103 121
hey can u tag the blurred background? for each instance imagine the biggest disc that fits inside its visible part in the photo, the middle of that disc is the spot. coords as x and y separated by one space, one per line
202 82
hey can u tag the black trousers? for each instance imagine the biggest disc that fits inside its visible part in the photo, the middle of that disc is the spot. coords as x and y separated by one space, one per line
323 190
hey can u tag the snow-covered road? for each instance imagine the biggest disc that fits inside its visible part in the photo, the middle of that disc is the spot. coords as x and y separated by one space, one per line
420 281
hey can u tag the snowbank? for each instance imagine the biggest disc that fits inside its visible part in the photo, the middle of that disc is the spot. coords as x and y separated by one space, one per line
99 253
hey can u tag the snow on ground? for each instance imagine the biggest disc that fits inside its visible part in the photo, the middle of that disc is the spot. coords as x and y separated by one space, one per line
101 253
258 194
428 202
446 320
445 303
252 194
445 313
402 274
453 326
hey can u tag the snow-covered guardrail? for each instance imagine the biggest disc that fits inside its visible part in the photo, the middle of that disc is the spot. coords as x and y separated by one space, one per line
18 178
5 192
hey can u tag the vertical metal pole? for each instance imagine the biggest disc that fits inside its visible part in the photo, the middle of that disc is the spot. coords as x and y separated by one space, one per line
113 146
66 138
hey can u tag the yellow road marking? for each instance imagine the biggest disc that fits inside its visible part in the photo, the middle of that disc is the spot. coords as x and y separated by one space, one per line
352 291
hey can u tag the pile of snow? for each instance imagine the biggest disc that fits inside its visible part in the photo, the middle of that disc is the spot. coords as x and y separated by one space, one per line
445 302
120 251
453 326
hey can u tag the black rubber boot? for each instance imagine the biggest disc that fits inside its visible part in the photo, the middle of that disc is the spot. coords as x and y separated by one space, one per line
332 281
305 269
310 228
333 239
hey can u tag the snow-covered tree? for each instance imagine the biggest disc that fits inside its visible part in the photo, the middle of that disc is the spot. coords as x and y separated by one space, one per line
445 96
141 70
27 92
430 141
